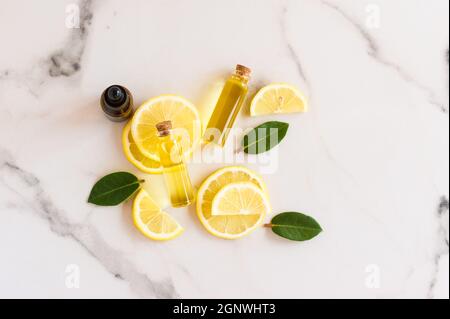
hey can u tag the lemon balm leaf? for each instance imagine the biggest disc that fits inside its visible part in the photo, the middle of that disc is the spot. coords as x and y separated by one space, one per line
113 189
295 226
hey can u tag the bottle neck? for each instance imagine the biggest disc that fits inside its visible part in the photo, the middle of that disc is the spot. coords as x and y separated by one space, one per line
241 77
165 133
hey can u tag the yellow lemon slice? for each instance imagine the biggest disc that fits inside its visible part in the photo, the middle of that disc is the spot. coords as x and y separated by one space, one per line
185 122
227 226
278 98
152 221
240 199
134 155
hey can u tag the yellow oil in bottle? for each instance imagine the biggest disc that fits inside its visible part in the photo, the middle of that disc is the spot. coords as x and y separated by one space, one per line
175 173
228 106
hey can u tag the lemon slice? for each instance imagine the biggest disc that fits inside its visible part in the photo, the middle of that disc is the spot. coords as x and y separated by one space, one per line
134 155
227 226
185 122
278 98
152 221
240 199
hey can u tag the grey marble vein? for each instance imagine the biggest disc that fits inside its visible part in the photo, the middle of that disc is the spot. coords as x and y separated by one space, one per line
62 62
67 60
443 244
292 53
28 188
374 52
4 74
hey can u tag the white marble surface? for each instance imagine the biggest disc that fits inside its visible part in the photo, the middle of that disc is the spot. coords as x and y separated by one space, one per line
370 160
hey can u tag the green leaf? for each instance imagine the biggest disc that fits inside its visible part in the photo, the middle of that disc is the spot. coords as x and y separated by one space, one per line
264 137
114 189
295 226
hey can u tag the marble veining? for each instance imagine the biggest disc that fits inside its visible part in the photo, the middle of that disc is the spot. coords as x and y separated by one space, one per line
67 60
295 58
442 214
443 241
4 74
28 189
366 170
375 52
62 62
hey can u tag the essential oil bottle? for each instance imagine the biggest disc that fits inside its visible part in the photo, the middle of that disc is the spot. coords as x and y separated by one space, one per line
228 106
117 103
175 172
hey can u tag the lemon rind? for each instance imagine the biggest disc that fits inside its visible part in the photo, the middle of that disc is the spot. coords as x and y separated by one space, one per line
129 156
142 227
262 91
154 100
203 188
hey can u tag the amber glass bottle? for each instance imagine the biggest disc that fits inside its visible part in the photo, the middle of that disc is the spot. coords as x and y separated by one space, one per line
117 103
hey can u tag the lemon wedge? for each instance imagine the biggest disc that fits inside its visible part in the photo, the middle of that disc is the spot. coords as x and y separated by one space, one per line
152 221
240 199
183 115
134 155
278 98
227 226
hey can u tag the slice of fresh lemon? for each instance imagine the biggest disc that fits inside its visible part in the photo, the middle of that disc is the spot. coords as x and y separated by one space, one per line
152 221
183 115
278 98
240 199
134 155
229 226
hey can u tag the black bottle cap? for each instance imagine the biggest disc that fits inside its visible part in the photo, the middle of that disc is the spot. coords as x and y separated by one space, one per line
115 96
117 103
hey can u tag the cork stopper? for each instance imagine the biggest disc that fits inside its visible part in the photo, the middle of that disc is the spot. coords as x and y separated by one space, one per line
243 70
164 128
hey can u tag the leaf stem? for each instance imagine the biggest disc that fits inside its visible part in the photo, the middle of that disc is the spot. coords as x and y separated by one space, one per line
268 225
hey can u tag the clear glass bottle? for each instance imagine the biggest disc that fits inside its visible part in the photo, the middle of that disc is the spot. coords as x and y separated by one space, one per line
117 103
175 173
228 106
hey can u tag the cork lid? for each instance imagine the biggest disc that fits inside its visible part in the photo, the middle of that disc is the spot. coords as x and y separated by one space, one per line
164 128
243 70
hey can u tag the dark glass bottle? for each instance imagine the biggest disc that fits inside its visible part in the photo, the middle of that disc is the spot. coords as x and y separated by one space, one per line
117 103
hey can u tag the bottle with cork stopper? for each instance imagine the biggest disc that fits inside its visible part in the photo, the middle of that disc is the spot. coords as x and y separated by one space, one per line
228 106
176 176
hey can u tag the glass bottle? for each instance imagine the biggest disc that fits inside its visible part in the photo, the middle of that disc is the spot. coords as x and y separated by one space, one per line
117 103
175 172
228 106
